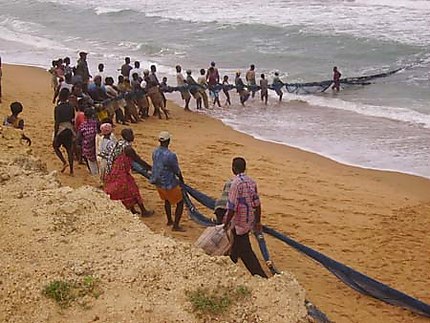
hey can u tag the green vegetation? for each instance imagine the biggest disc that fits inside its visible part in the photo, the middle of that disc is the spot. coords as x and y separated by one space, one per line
64 292
216 301
60 291
242 291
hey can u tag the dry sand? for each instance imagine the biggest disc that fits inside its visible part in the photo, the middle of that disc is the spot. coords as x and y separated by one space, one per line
51 232
376 222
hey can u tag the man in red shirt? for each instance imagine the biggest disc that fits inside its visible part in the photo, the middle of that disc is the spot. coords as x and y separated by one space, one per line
244 214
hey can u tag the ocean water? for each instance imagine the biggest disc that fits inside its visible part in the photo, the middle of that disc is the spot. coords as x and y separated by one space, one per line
385 125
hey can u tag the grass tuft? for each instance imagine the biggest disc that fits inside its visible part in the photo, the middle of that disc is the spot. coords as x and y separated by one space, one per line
64 292
205 301
243 291
60 291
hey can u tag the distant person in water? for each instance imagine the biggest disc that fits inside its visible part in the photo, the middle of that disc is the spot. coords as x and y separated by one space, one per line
225 89
277 86
152 89
203 86
164 88
212 78
101 71
240 87
213 70
81 69
250 79
264 85
154 78
126 68
181 82
194 88
336 79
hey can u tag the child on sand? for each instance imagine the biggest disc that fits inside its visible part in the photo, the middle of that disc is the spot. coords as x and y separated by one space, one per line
15 121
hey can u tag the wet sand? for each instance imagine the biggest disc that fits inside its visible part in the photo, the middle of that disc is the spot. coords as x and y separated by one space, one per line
374 221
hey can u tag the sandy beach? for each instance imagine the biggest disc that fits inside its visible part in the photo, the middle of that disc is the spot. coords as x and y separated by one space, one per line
374 221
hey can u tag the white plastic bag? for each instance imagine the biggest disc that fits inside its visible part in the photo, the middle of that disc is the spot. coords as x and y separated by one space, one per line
216 241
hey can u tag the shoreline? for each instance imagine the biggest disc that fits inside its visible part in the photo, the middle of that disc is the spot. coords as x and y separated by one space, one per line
289 145
324 204
321 155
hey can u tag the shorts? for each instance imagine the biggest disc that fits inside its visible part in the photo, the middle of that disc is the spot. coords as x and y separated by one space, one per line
65 139
185 95
197 95
214 93
174 195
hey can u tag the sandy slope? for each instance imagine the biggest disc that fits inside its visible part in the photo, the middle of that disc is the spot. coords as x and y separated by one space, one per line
376 222
52 232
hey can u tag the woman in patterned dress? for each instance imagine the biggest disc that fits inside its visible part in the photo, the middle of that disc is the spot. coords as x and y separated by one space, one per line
119 184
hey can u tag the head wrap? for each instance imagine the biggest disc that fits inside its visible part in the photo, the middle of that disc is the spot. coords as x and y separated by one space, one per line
106 129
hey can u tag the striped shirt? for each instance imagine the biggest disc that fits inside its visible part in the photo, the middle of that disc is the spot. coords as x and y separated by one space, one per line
242 200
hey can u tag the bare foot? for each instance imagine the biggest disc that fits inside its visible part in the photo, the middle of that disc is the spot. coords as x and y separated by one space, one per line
64 167
148 213
178 229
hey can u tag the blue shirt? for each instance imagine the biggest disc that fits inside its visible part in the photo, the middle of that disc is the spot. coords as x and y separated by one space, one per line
165 168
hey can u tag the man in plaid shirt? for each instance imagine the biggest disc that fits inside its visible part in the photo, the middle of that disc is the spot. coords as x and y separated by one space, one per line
244 213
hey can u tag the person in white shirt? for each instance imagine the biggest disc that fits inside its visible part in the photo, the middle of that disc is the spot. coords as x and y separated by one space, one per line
181 82
100 72
137 70
66 84
105 142
202 81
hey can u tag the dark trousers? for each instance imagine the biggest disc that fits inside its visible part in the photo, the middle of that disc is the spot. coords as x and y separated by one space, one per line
220 215
119 115
242 250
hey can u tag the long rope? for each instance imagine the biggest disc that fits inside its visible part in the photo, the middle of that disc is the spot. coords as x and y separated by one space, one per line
356 280
297 88
204 221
